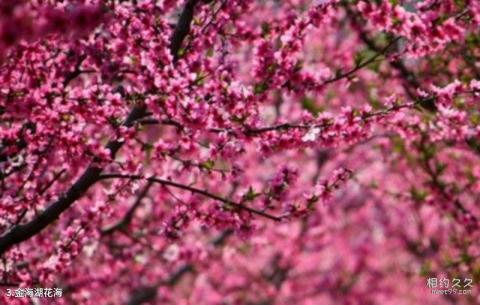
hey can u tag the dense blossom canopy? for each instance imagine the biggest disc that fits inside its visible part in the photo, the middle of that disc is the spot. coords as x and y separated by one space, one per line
239 152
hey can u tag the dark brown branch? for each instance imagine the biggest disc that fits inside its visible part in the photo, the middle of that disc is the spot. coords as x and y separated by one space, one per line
286 126
20 233
127 218
76 72
193 190
349 73
170 122
51 182
182 29
149 293
397 64
352 71
204 28
440 187
275 273
411 82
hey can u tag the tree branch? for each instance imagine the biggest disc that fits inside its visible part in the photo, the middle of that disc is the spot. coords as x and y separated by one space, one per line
127 218
182 29
411 82
193 190
20 233
379 53
148 293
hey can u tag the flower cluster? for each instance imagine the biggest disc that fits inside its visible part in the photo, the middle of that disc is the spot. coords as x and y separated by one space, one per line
239 152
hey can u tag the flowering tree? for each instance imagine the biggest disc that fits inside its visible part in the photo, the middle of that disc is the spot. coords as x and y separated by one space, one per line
239 152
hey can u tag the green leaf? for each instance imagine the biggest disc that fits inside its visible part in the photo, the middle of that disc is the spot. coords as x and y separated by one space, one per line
260 88
271 68
200 78
210 52
475 118
461 4
440 167
208 165
426 268
250 195
428 152
417 194
309 105
466 258
359 57
181 52
265 29
298 66
115 122
237 119
363 55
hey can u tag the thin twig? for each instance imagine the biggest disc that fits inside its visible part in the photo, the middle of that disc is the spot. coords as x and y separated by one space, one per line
193 190
22 232
127 218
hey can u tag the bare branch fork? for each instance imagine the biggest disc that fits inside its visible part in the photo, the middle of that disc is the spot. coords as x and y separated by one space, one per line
149 293
23 232
127 218
193 190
